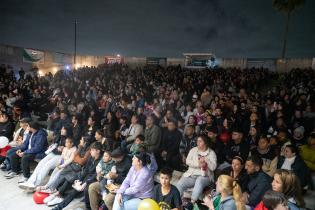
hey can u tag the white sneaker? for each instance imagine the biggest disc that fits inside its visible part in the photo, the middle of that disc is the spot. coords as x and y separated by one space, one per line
26 185
48 190
22 180
55 201
49 198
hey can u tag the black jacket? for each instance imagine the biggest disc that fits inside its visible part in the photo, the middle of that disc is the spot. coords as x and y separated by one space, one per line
232 150
299 168
258 184
88 173
171 141
6 129
122 169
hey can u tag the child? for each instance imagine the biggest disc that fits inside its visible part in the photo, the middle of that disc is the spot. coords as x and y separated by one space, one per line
135 146
67 156
102 169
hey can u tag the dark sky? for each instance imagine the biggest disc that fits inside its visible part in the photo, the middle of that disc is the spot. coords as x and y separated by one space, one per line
228 28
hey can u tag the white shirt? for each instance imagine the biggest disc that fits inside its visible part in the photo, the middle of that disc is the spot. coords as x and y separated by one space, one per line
288 163
30 142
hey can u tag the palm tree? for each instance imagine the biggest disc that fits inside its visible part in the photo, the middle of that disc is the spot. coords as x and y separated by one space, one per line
286 7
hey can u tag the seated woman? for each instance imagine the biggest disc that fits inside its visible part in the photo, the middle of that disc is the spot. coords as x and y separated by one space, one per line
202 162
288 183
229 195
293 162
237 171
83 179
138 184
50 162
192 122
99 137
70 171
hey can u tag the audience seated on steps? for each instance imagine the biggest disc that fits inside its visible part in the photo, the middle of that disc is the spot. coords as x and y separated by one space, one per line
101 105
33 147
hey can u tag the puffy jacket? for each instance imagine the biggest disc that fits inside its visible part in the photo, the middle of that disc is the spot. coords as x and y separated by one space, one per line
39 144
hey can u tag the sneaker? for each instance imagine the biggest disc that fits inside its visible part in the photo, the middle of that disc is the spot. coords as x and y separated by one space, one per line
49 198
11 175
27 186
40 188
22 180
3 166
55 201
48 190
56 208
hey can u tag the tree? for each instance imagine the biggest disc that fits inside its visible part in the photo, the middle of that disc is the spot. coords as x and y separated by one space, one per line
286 7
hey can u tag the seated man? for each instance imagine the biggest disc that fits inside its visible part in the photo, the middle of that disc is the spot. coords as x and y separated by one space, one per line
165 194
259 181
268 154
122 165
188 142
237 147
34 147
169 151
18 138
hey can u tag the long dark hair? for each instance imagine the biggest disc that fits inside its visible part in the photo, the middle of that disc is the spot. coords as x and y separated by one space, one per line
205 139
143 157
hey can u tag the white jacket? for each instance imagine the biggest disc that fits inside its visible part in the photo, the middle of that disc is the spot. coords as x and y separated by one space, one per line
193 162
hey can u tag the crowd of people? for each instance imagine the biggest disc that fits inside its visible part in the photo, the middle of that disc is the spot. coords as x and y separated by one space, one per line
241 138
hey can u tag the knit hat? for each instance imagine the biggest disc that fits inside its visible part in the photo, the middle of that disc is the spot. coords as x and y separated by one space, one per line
299 132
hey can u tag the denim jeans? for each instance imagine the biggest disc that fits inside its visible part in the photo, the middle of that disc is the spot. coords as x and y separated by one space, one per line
197 182
127 204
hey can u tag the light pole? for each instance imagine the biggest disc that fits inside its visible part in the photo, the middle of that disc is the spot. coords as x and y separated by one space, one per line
75 42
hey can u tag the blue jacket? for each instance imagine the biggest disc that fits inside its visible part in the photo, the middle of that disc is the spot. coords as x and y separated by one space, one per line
227 203
39 144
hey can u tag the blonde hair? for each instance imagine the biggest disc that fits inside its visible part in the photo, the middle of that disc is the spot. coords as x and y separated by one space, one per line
230 186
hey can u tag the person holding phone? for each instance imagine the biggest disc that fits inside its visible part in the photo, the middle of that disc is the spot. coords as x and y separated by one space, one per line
229 195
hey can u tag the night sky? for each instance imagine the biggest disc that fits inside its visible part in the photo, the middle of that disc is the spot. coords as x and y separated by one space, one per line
234 28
